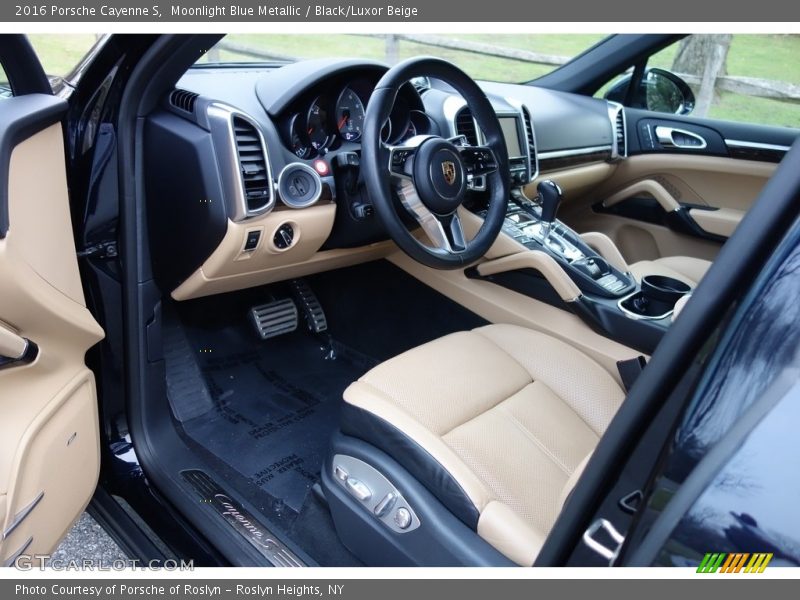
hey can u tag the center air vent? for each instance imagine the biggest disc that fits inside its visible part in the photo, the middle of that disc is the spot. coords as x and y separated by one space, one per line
531 141
253 166
183 100
620 140
465 125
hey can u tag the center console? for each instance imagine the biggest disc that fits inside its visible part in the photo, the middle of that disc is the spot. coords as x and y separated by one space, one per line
592 273
608 298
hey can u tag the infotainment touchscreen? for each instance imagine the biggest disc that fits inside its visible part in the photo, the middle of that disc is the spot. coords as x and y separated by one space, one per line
510 127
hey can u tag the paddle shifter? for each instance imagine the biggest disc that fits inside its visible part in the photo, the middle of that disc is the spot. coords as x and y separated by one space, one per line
550 196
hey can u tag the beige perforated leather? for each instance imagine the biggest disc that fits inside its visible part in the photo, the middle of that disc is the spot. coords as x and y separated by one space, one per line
684 268
509 412
573 479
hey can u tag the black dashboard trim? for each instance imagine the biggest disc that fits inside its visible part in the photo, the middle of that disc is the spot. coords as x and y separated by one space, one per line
277 89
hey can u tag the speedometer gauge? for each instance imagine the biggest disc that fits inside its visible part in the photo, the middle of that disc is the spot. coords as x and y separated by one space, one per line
349 115
317 125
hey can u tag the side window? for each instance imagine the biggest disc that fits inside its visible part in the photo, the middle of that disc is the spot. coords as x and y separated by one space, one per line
5 88
737 77
61 53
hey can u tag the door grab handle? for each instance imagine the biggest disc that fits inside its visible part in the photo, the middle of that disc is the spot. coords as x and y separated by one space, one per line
672 137
15 349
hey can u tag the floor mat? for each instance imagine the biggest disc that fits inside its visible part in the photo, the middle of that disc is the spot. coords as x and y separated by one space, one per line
275 403
263 412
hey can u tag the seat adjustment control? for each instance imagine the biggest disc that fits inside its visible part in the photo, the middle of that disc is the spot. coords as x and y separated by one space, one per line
340 473
402 518
383 507
373 493
358 488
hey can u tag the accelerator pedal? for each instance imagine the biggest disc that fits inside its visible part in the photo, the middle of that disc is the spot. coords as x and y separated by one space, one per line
274 318
309 304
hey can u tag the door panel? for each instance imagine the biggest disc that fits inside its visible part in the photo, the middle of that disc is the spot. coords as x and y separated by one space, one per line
645 188
49 444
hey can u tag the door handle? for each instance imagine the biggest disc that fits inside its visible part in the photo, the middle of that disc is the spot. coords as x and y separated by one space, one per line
15 349
671 137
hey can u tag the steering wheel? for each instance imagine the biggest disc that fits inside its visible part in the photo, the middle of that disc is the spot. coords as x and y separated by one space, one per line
431 174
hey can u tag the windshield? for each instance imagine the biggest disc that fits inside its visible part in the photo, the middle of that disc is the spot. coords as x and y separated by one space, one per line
504 58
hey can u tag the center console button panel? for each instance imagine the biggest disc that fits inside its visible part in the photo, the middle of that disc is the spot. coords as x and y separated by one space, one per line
588 270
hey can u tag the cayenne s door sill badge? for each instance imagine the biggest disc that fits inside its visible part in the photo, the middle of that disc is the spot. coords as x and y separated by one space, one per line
599 547
241 520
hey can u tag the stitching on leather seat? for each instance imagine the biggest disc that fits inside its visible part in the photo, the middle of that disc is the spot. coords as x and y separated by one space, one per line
529 434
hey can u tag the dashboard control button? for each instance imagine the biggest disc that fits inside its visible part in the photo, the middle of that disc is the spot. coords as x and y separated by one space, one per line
251 242
321 167
284 237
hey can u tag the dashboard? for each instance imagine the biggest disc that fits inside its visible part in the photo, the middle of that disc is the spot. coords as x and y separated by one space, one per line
253 173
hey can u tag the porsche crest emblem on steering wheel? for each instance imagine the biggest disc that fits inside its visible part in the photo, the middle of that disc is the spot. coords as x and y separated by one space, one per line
449 171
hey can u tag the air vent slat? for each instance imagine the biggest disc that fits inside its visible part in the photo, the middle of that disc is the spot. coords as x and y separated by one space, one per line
619 133
465 125
531 138
183 99
252 164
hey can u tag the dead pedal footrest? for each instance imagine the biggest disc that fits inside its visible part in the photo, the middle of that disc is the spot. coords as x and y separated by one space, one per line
315 315
275 318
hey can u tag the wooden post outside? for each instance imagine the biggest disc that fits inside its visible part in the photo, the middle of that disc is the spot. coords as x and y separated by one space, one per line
392 49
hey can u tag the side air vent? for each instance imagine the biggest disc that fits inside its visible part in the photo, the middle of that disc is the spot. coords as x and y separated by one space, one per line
531 141
183 99
465 125
617 114
253 166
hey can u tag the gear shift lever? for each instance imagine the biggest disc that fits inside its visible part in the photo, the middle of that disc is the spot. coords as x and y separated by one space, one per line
550 196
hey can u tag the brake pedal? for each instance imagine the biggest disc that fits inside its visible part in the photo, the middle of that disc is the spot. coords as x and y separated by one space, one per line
275 318
312 309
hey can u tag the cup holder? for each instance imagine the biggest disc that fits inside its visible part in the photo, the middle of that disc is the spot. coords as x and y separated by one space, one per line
657 297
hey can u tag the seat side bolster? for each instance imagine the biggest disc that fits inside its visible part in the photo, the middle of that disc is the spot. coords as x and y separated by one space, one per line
370 415
502 528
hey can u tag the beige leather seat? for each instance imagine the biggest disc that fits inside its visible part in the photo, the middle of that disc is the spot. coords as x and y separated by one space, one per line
684 268
497 423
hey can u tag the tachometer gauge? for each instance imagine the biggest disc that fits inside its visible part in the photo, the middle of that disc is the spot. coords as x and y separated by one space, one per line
317 125
349 115
410 131
300 143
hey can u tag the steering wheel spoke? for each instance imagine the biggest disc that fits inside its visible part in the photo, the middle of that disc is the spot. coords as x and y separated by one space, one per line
478 160
401 161
445 232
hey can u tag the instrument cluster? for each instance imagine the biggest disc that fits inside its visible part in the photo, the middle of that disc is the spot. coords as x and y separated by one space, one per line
333 117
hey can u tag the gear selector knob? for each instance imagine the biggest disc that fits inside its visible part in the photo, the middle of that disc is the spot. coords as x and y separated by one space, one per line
550 197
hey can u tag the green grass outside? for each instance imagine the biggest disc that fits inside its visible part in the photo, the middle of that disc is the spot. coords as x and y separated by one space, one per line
764 56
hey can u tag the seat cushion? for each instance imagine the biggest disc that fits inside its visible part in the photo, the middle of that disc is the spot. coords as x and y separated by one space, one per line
684 268
493 421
